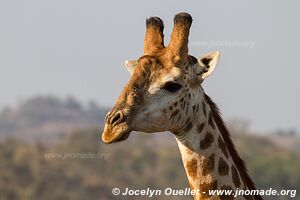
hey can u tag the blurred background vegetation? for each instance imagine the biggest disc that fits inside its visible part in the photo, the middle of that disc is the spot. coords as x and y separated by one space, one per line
46 125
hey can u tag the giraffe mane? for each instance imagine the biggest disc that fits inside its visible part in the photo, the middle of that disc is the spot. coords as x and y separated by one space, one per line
230 146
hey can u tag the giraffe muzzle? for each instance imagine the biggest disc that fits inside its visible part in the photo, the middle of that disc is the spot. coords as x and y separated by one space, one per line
116 128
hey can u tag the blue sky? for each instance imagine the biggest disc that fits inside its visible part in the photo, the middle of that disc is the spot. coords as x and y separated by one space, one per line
78 48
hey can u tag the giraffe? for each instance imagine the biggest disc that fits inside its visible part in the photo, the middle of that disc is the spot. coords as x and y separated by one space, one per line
164 93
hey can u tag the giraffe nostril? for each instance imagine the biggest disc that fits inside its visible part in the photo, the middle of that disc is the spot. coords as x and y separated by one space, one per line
117 118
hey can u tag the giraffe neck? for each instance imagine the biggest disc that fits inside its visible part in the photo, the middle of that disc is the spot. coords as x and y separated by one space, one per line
208 162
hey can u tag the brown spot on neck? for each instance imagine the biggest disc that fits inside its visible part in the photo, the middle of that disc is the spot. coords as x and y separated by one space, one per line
192 167
207 141
175 104
188 127
208 165
223 167
200 127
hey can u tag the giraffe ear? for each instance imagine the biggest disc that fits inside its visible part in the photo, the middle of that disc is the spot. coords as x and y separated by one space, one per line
130 65
208 63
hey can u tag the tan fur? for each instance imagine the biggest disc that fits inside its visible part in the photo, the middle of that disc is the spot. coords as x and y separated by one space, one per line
154 39
178 46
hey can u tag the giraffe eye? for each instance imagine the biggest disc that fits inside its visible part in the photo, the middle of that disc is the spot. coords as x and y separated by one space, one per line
172 86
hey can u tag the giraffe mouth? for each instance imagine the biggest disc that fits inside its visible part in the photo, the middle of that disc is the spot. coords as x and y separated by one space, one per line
113 136
122 138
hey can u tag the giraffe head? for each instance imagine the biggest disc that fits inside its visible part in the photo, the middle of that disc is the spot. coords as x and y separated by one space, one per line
163 86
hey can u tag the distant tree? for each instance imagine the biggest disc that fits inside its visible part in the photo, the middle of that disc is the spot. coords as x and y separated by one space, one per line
72 104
